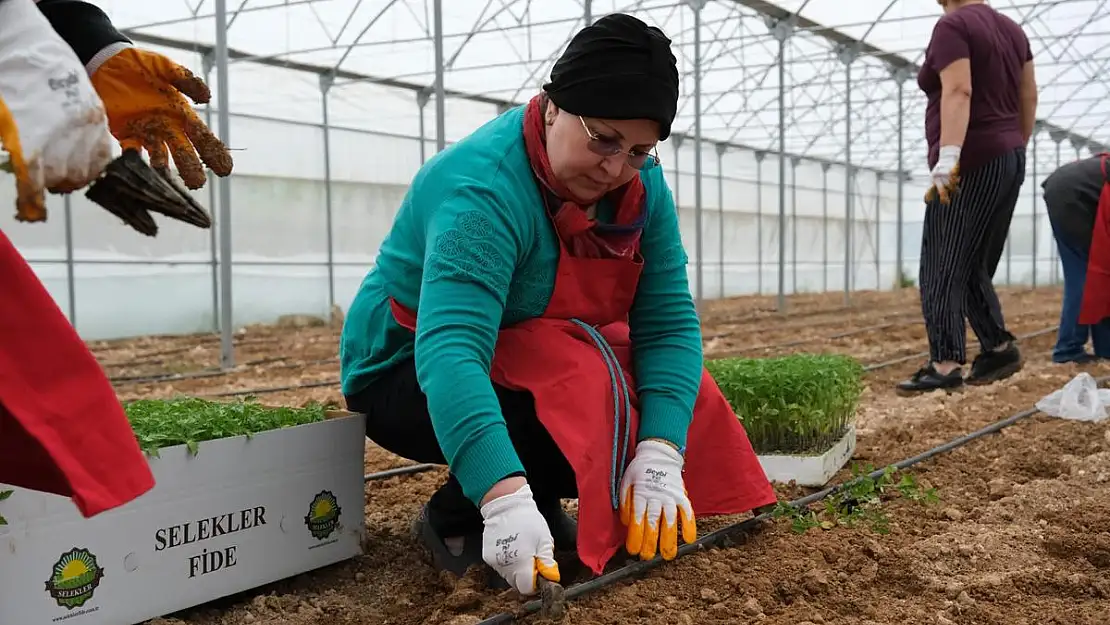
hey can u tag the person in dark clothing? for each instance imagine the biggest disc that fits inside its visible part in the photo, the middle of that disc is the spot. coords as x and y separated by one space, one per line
976 135
1072 197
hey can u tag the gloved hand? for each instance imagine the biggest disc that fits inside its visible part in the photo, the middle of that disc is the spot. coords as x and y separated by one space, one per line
654 503
516 541
52 123
945 175
142 92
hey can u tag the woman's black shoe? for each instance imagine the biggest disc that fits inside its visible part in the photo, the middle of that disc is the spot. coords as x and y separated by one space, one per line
993 366
564 529
928 379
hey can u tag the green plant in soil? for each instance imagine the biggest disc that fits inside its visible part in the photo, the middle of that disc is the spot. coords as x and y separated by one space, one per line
797 404
189 421
859 502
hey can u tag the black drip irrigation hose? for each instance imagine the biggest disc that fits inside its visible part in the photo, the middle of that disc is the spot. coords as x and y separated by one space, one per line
925 354
889 315
406 470
854 332
720 535
812 339
214 372
203 341
762 314
271 389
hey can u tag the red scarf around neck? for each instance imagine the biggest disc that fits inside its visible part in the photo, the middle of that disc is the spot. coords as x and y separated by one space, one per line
583 237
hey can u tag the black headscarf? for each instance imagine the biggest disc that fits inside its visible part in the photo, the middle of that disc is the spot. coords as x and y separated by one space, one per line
618 68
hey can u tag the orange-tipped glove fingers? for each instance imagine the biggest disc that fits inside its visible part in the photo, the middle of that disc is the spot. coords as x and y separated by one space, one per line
516 541
52 123
653 502
945 176
142 92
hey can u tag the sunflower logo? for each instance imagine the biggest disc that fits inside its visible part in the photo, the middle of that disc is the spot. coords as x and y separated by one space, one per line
323 515
75 579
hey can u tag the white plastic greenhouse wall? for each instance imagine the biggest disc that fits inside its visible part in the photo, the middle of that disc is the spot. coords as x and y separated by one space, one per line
126 284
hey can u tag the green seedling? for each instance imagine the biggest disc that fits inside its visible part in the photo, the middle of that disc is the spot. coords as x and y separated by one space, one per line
189 421
799 404
859 502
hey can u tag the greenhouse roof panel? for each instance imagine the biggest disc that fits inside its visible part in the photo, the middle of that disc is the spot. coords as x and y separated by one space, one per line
504 49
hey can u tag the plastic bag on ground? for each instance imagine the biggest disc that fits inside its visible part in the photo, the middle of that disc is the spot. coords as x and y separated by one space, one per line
1079 400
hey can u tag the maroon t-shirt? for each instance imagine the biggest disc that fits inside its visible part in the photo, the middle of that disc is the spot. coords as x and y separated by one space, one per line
998 50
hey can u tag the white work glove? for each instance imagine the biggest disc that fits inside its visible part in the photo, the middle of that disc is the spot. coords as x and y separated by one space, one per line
516 541
62 140
944 174
654 503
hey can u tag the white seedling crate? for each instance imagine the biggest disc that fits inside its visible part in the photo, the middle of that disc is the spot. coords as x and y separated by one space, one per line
242 512
812 470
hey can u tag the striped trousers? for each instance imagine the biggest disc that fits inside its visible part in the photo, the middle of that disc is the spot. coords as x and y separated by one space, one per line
961 246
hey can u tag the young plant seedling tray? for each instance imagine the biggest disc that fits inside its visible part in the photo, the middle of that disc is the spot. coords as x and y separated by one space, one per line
245 495
798 411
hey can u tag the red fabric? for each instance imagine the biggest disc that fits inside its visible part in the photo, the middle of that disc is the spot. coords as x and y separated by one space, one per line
584 237
62 429
1096 289
560 365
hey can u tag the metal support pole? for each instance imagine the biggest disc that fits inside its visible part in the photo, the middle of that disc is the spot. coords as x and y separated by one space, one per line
781 30
588 12
677 175
326 82
847 57
1058 137
227 351
441 104
208 61
71 284
825 226
696 6
422 98
879 230
901 75
759 156
1036 131
721 149
794 160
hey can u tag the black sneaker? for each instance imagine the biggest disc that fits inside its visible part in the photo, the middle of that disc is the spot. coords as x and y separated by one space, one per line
564 529
997 365
456 557
458 554
928 379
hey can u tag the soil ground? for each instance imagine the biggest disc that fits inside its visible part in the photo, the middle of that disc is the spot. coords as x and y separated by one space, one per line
1021 532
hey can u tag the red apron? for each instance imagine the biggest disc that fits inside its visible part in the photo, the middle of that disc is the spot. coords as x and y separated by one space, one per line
1096 289
556 359
62 429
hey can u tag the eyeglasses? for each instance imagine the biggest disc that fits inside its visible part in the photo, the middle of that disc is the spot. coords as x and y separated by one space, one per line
606 146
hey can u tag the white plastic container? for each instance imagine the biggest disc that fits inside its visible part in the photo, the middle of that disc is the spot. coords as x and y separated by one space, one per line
242 513
812 470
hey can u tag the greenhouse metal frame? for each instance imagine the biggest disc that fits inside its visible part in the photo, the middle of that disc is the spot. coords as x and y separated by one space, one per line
810 98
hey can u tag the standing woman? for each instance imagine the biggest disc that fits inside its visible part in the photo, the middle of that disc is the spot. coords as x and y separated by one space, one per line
982 99
529 324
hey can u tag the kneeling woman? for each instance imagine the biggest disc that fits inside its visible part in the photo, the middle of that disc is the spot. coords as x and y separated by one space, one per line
529 324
